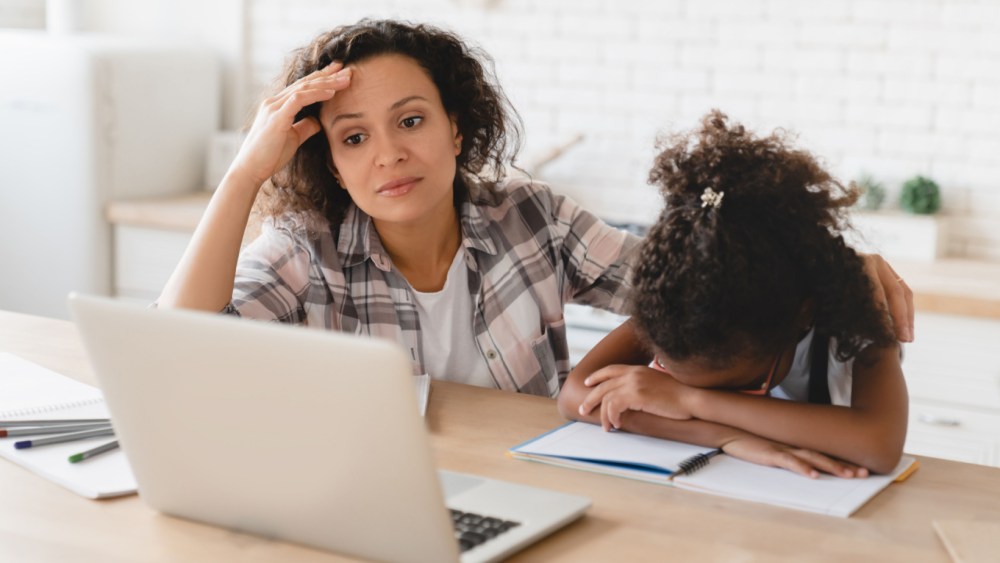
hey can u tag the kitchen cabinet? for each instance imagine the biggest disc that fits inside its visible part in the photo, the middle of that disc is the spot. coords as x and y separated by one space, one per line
953 376
150 237
144 258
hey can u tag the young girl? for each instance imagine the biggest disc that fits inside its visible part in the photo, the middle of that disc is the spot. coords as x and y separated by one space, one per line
757 321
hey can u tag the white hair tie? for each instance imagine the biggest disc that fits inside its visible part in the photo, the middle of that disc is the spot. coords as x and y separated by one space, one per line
711 198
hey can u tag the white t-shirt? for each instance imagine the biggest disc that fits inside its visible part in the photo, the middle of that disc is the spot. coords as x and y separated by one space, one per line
449 344
795 386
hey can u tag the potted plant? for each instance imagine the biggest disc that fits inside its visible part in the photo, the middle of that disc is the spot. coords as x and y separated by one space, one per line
872 193
920 196
914 233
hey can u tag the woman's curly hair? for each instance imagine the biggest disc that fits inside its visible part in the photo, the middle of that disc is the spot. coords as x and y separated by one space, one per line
727 281
489 126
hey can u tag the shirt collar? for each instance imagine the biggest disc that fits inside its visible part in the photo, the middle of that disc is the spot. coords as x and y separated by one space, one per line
475 228
358 240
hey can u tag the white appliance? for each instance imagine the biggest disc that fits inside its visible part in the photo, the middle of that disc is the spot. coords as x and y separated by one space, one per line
86 119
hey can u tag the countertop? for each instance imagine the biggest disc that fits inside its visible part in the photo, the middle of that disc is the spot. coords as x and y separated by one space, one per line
178 213
950 286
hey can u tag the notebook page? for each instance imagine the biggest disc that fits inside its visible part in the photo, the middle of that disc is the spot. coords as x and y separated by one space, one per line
740 479
32 391
589 442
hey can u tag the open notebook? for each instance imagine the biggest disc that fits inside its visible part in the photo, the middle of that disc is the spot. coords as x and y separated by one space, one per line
31 391
588 447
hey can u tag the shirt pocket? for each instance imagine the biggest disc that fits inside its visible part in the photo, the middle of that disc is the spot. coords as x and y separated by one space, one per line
552 353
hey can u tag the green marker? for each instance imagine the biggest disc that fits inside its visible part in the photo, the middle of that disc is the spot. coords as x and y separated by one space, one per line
75 458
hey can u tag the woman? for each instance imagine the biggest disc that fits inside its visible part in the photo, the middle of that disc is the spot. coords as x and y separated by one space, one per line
382 222
383 157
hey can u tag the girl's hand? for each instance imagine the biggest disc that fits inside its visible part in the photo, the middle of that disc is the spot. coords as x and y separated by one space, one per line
621 388
275 135
804 462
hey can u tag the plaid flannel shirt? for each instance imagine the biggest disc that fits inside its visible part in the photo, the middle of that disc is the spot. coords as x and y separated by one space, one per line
528 252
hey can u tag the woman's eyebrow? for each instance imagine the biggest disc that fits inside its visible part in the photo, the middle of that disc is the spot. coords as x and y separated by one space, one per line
394 106
343 116
405 100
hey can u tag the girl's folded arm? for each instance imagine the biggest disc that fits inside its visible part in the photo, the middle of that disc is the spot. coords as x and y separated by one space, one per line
869 433
733 441
620 346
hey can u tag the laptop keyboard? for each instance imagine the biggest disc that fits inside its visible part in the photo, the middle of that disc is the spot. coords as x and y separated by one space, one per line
472 529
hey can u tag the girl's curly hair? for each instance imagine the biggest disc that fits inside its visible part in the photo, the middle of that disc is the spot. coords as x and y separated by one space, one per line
728 281
464 77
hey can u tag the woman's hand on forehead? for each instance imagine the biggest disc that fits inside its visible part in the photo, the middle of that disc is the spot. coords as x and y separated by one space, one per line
275 135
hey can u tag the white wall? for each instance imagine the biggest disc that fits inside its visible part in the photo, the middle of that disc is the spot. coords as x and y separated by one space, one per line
24 14
891 87
217 24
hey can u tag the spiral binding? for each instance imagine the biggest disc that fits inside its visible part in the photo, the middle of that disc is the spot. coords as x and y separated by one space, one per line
693 463
31 411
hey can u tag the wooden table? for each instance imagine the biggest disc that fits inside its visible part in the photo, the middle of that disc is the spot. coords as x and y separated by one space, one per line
471 430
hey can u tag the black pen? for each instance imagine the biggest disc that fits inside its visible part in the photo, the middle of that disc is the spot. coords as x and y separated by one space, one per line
694 463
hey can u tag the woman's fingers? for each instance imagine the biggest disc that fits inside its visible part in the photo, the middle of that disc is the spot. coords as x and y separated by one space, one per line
900 301
319 74
294 103
305 94
306 128
891 290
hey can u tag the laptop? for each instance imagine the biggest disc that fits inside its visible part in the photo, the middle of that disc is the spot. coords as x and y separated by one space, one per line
303 435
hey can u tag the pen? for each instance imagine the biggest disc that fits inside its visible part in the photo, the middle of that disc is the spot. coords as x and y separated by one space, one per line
51 429
694 463
64 438
54 421
75 458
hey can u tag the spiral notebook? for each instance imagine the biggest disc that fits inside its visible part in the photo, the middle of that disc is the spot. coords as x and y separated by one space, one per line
588 447
31 391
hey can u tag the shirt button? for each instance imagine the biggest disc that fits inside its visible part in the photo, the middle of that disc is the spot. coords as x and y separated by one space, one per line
491 354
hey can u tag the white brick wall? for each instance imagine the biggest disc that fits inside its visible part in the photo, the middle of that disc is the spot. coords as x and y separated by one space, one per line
891 87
